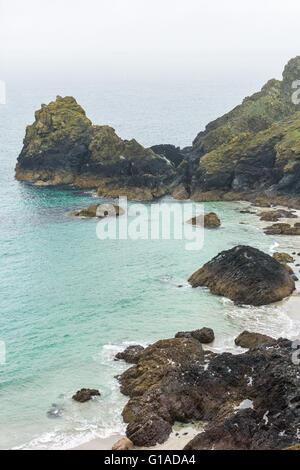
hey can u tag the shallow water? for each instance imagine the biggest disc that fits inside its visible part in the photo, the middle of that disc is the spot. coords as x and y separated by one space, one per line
70 301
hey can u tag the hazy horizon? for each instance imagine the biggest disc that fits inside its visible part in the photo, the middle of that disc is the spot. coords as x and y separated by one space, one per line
143 40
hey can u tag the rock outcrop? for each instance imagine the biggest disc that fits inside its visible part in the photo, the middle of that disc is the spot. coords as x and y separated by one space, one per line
131 354
283 229
251 340
210 220
99 210
248 400
204 335
86 394
246 276
63 147
274 216
283 257
254 149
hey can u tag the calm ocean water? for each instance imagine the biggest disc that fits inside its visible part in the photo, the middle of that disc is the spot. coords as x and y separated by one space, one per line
70 301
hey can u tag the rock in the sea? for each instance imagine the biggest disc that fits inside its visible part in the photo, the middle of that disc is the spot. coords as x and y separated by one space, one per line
251 340
204 335
246 276
63 147
86 394
131 354
210 220
123 444
188 389
99 210
283 257
282 229
274 216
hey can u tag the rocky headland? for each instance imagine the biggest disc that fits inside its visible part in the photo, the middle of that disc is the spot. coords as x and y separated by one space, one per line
250 153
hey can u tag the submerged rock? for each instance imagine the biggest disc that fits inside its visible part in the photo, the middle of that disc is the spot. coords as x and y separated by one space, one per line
85 394
246 276
251 340
210 220
131 354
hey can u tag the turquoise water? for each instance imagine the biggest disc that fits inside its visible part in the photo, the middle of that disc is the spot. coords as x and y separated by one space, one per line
70 301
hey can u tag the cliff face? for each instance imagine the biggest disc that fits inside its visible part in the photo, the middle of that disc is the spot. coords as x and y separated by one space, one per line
256 113
63 147
252 150
255 148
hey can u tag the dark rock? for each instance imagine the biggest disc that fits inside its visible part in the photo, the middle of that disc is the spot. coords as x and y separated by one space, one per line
172 153
251 340
131 354
231 273
85 394
63 147
214 392
204 335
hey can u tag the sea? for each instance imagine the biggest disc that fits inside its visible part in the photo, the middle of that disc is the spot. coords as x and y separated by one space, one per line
69 300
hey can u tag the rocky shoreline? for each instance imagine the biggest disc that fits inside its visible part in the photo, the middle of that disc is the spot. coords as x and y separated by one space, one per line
249 153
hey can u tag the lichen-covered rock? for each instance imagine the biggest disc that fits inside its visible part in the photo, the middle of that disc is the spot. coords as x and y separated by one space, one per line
131 354
246 276
210 220
256 113
251 340
86 394
63 147
283 257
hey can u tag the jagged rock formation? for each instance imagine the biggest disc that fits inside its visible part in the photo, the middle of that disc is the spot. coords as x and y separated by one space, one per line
63 147
246 276
131 354
172 382
85 394
254 148
204 335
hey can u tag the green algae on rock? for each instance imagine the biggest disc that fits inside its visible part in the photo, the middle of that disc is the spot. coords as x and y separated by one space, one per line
63 147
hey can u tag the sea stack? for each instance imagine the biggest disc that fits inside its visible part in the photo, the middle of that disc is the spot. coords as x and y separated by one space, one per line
63 147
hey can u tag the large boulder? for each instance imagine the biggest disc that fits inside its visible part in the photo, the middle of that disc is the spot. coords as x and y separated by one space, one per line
251 340
282 257
282 229
245 275
63 147
99 210
274 216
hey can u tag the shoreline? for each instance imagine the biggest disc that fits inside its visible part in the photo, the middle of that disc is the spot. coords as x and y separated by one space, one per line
182 434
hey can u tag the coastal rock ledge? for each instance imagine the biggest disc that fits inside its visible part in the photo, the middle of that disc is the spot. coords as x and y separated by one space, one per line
245 401
245 275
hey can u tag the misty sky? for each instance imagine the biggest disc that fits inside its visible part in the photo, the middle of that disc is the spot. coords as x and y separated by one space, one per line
143 38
